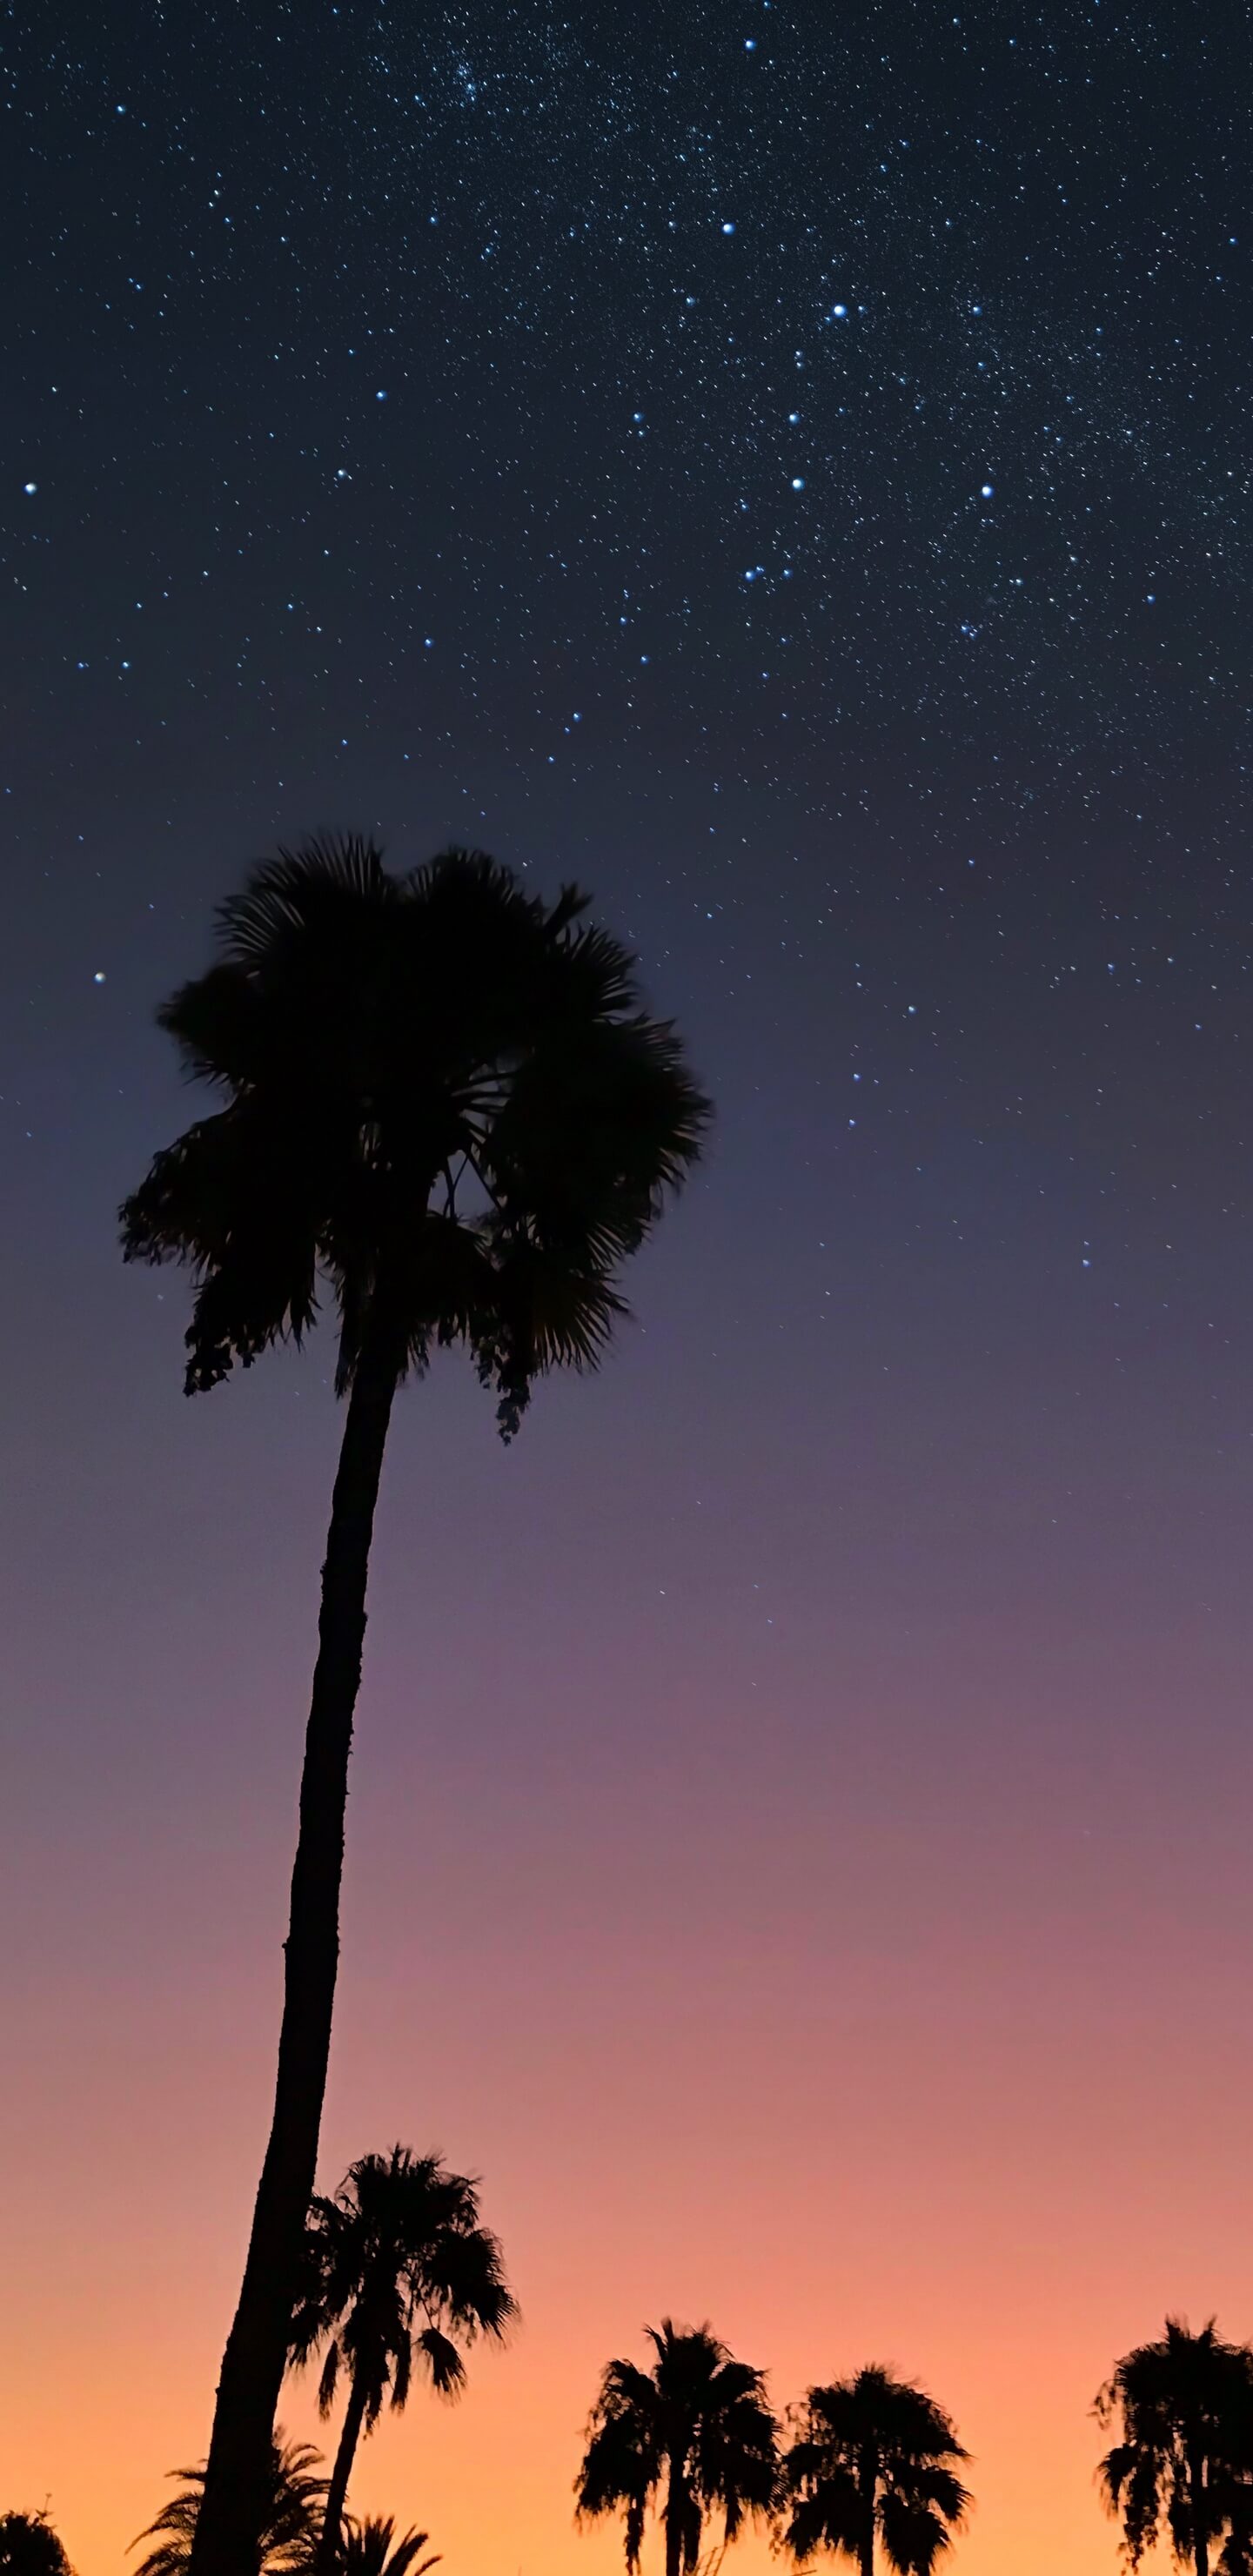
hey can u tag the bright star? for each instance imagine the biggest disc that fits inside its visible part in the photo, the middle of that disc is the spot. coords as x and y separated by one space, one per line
986 490
728 228
30 487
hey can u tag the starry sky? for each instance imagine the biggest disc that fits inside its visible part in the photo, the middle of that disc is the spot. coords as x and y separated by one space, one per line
789 468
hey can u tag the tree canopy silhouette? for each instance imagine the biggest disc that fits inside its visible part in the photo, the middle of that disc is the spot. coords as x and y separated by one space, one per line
695 2430
30 2547
874 2465
400 2273
445 1107
290 2522
1184 2465
370 2548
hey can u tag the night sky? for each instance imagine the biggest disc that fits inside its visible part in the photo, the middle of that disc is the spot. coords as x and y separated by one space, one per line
789 468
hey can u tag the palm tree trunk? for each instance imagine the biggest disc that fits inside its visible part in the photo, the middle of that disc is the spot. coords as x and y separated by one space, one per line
867 2487
229 2519
1200 2514
674 2521
337 2492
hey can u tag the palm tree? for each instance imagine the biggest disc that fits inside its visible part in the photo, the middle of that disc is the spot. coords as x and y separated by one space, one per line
398 2270
443 1099
696 2425
30 2547
875 2460
290 2523
370 2548
1185 2408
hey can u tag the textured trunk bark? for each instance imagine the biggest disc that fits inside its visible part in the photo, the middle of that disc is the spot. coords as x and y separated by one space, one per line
229 2520
337 2492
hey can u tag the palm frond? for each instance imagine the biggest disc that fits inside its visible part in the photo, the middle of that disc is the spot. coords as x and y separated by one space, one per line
294 2501
370 2548
372 1034
324 879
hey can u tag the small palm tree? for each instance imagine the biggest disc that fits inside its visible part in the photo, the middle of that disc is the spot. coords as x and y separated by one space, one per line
399 2271
1185 2461
695 2428
874 2464
30 2547
442 1099
370 2548
291 2520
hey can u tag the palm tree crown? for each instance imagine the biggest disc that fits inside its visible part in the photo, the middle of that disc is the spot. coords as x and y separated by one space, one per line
293 2516
1185 2461
874 2462
399 2270
370 2548
442 1095
30 2547
696 2425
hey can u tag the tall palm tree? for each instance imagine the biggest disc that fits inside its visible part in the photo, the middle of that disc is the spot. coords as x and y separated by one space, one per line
696 2426
1185 2409
443 1100
290 2523
30 2547
399 2271
874 2464
370 2548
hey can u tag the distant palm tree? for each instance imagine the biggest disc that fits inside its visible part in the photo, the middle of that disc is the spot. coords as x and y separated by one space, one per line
443 1098
1185 2461
370 2548
398 2270
291 2520
695 2429
30 2547
874 2464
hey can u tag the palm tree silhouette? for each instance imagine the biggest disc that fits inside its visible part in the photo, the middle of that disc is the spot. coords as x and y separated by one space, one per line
399 2270
443 1098
874 2462
1185 2461
30 2547
370 2548
290 2523
697 2426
